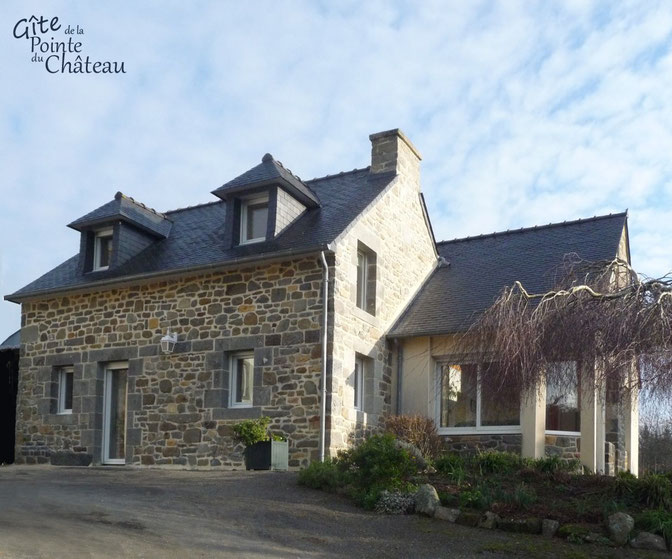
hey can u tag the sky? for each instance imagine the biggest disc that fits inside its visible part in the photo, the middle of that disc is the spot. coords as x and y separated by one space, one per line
525 112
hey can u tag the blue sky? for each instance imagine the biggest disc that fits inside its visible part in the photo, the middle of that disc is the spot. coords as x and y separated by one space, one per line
525 112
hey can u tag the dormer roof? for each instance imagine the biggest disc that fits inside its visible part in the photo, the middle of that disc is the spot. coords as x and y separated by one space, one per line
269 172
124 208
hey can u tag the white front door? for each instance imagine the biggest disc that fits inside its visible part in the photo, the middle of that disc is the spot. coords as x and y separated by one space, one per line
114 414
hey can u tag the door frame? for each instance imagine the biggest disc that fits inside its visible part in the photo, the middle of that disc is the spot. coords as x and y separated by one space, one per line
109 370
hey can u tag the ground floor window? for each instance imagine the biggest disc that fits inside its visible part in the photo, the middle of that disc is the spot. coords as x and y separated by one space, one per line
464 405
65 381
563 398
242 379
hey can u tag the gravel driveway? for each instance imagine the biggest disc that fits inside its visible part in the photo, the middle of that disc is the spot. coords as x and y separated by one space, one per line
106 512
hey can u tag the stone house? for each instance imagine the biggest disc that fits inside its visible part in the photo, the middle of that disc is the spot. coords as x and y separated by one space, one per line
280 283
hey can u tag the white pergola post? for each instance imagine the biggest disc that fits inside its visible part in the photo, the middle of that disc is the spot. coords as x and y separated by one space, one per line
533 422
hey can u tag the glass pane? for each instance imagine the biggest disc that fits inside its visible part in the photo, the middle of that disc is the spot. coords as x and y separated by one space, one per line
105 251
257 220
117 417
500 407
244 380
67 378
563 400
361 280
458 395
357 383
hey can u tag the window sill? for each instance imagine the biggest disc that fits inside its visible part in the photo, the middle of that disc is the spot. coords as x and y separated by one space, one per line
365 316
481 431
563 433
252 241
64 412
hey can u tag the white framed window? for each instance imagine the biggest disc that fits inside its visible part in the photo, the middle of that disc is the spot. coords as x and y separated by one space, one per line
464 406
563 399
365 297
253 219
242 380
65 382
102 249
358 383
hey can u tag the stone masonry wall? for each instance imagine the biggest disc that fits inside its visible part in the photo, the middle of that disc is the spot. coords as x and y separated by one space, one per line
479 443
566 447
177 405
394 228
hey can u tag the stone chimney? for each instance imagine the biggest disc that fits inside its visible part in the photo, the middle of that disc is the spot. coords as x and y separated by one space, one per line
392 151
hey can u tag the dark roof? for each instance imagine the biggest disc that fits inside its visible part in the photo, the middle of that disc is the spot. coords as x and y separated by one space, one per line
478 268
269 172
13 342
196 237
126 209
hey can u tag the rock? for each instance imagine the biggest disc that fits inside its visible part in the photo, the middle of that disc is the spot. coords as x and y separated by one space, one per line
444 513
426 500
549 527
468 518
414 451
594 537
620 525
489 521
647 540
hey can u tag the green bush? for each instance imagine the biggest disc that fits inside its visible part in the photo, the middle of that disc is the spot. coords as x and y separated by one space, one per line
378 462
322 475
657 522
472 498
495 462
653 490
453 467
252 431
552 464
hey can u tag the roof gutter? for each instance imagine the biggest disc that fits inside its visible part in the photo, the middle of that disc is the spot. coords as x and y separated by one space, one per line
163 274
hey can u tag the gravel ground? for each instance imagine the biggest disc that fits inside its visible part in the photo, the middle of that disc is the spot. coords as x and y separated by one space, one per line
74 513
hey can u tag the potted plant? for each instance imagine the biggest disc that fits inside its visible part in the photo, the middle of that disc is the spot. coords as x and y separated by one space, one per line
263 450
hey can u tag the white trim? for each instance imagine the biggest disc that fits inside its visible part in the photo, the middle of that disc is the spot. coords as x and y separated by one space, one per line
107 396
563 433
108 232
362 283
478 429
358 383
61 409
232 379
244 204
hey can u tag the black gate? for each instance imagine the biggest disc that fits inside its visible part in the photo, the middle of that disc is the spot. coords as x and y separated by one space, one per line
9 380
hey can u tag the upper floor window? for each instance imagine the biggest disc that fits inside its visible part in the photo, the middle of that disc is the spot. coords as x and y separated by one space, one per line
253 219
242 380
102 249
366 279
65 378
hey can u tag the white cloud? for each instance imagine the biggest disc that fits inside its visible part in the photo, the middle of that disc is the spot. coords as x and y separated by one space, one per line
525 113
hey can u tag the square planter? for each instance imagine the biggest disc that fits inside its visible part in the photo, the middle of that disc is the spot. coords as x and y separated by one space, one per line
267 455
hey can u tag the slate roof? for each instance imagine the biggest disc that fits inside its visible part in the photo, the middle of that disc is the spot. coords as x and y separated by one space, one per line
480 267
13 342
126 209
269 171
196 238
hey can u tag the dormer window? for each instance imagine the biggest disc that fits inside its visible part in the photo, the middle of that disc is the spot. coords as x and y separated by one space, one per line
102 249
253 219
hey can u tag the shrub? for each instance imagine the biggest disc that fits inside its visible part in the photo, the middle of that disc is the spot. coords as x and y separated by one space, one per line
657 522
655 490
495 462
453 467
472 498
524 496
322 475
378 461
417 430
252 431
552 464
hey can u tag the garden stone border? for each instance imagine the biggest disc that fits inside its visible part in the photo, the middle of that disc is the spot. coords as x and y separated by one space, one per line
619 525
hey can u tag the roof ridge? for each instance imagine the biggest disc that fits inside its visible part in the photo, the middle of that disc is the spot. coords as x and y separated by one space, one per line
340 174
119 195
194 206
297 177
534 228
